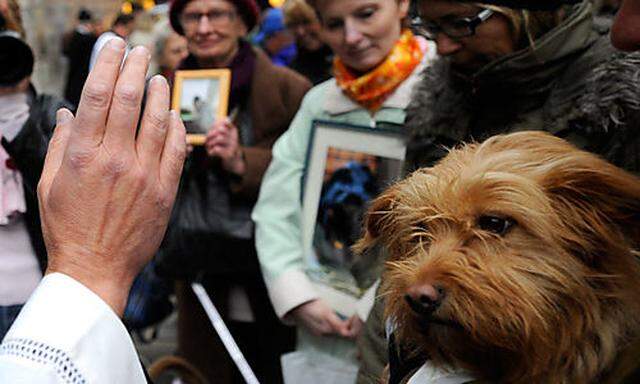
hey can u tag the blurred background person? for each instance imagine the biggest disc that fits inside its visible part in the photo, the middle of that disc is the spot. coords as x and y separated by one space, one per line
143 33
122 27
211 234
377 63
275 38
11 18
77 47
314 59
169 49
27 120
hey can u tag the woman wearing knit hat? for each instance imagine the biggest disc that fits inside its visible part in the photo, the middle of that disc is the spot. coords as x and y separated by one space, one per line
263 100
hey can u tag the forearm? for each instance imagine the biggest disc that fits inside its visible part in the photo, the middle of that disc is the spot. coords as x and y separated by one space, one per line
278 217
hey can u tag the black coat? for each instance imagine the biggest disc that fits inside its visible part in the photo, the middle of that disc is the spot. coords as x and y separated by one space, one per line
78 49
28 150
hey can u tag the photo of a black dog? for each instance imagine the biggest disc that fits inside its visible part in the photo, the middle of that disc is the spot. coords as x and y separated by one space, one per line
351 181
343 202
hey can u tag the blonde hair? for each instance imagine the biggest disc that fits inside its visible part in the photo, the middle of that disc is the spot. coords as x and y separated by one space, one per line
527 26
298 11
13 18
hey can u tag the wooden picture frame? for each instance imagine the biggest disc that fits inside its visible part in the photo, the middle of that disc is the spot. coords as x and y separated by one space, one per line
201 96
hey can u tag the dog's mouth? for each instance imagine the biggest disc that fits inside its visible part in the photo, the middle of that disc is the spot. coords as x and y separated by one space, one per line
427 322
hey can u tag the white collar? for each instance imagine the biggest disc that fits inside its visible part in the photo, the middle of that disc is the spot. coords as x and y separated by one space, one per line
428 374
336 102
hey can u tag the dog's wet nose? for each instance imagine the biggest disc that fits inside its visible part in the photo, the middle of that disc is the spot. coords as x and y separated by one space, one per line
424 298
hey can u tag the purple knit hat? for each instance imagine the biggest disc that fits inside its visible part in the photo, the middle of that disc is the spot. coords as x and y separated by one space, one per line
248 10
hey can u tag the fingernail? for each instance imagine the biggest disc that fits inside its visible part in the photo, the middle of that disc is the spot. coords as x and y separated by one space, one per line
117 43
158 79
141 50
63 116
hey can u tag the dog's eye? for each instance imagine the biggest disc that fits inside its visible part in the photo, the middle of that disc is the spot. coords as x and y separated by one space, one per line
495 224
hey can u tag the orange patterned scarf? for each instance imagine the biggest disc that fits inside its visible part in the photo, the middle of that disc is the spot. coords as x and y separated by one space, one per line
373 88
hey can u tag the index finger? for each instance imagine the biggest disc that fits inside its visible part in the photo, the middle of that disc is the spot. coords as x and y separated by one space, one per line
96 95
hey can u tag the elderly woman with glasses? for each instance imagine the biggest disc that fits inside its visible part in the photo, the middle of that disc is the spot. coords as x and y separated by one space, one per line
507 70
211 232
504 70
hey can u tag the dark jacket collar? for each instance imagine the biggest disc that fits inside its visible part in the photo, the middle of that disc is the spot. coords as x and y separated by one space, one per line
242 69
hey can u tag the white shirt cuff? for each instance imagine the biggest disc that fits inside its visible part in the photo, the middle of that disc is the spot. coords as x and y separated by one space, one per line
65 320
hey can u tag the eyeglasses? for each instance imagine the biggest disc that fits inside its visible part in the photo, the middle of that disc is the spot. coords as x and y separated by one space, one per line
215 17
453 28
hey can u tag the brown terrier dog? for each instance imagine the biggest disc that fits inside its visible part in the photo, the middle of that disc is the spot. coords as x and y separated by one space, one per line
515 260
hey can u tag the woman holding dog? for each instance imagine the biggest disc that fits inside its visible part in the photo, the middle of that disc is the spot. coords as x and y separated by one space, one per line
377 62
505 70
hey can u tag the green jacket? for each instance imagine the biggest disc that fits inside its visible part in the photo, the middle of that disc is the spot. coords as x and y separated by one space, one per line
572 84
278 212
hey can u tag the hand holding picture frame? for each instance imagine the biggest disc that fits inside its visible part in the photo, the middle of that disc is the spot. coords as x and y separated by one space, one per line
347 166
201 96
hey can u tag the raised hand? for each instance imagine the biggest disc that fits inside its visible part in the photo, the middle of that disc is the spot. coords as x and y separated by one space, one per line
105 195
223 141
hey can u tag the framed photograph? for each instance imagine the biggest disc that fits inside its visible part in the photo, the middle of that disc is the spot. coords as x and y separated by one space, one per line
201 96
347 166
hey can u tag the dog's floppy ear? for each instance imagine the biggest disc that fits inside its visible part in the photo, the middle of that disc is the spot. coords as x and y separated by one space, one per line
598 201
377 220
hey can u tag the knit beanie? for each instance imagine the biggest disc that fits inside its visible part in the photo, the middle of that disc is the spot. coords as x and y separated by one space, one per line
248 10
16 59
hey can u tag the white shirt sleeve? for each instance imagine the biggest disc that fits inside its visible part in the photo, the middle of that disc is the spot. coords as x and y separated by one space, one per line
67 334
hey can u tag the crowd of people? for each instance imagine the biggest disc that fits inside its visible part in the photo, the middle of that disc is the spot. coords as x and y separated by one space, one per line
440 72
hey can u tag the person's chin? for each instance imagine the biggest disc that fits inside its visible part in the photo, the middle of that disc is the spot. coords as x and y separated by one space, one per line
210 52
363 63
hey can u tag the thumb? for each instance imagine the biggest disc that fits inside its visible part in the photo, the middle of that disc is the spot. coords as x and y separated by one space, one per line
57 146
340 327
354 325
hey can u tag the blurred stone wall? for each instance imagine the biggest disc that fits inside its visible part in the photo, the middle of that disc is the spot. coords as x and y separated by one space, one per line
45 23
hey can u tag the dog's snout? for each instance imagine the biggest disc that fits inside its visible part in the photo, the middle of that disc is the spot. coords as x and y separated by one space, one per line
424 298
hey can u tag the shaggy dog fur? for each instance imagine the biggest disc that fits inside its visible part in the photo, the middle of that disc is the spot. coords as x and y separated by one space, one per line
515 259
